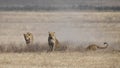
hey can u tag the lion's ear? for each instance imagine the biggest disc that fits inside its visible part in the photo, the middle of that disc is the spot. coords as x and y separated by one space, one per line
49 32
28 33
24 35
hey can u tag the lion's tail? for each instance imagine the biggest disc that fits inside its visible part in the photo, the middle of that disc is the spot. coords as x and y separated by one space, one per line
102 47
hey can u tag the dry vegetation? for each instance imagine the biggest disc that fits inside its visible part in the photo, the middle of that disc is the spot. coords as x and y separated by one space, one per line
60 60
36 56
79 29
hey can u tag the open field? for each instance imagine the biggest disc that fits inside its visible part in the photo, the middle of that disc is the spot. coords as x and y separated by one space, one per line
69 26
76 30
60 60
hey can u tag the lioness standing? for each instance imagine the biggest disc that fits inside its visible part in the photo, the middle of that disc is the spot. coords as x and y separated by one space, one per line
52 41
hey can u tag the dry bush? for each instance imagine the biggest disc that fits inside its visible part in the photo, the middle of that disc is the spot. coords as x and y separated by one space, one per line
64 46
22 48
35 48
71 47
2 48
12 47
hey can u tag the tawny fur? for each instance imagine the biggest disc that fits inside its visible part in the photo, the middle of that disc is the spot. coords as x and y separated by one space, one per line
94 47
28 38
52 41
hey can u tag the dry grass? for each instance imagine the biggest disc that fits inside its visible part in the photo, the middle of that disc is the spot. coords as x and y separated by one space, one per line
64 47
18 48
66 56
60 60
78 27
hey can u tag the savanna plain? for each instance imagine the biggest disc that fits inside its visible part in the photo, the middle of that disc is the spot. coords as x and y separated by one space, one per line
74 30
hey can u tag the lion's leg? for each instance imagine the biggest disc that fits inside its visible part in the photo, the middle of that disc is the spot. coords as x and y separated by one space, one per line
50 49
53 47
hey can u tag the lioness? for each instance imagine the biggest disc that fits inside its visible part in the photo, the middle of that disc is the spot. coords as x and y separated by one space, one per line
52 41
94 47
28 38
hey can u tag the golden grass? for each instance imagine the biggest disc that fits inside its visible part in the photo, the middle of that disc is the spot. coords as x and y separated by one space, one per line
60 60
